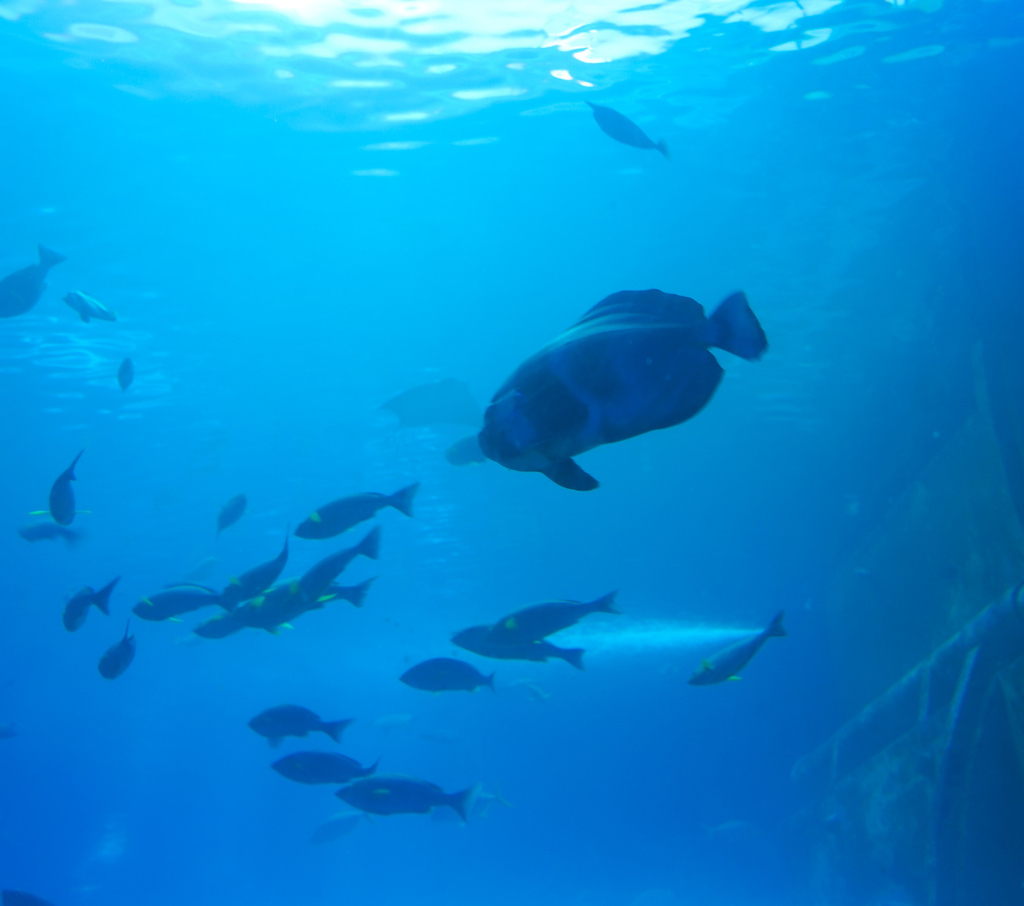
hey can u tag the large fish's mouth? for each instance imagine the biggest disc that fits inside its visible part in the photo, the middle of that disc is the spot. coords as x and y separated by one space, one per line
619 636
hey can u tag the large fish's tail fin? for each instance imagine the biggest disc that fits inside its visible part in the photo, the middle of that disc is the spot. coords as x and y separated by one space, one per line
662 146
334 728
356 595
775 629
605 604
734 328
465 451
402 500
49 258
370 545
572 656
463 801
102 598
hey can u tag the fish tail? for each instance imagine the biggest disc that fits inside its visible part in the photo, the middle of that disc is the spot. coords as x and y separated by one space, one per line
102 598
572 656
775 629
735 328
462 803
334 728
604 605
70 472
662 146
357 594
402 500
49 258
370 545
489 682
372 769
84 315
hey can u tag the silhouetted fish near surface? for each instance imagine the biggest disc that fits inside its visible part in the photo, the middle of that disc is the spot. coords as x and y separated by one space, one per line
337 826
88 308
77 609
477 639
636 362
62 495
125 374
623 129
340 515
256 580
20 898
275 724
392 795
20 291
231 512
176 600
48 531
534 623
119 657
446 402
321 767
446 674
727 664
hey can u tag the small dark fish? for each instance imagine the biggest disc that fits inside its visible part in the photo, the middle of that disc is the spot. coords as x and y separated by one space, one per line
727 664
623 129
636 362
256 580
62 495
340 515
87 307
231 512
318 578
321 767
20 291
48 531
447 402
19 898
392 795
125 374
337 826
174 601
119 657
7 731
477 639
445 674
77 609
534 623
275 724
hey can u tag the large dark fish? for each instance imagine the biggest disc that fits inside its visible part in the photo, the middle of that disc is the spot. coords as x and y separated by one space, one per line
19 898
231 512
392 795
176 600
321 767
534 623
446 674
727 664
275 724
477 639
48 531
340 515
119 657
623 129
447 402
337 826
77 609
62 495
254 581
22 289
636 362
125 374
88 308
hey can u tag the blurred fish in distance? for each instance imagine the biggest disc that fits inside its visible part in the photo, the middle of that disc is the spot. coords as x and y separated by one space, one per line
49 531
394 795
621 128
446 402
445 674
321 767
727 664
276 723
231 512
20 898
88 308
125 373
339 825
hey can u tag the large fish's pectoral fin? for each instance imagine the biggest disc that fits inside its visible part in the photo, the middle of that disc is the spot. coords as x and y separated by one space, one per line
568 474
735 679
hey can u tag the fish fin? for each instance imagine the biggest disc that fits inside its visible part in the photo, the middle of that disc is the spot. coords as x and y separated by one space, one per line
735 328
662 146
357 594
102 598
775 629
734 679
573 656
706 665
370 545
465 451
402 500
569 475
174 620
147 602
286 626
315 517
234 581
49 258
335 728
70 470
604 605
463 802
489 682
39 512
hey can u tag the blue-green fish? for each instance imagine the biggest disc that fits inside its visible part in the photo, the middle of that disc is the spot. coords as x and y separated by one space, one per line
534 623
727 664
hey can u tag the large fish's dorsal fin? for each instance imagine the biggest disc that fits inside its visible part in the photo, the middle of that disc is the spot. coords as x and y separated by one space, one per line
647 306
569 475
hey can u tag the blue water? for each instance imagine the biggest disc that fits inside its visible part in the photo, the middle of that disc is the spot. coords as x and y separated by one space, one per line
301 209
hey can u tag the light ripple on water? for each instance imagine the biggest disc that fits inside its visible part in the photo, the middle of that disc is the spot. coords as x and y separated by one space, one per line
622 635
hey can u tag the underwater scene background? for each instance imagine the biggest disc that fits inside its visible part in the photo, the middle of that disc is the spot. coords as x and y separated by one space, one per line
300 210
